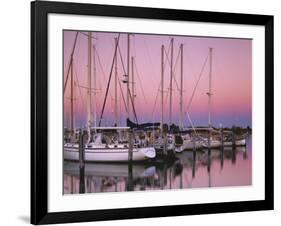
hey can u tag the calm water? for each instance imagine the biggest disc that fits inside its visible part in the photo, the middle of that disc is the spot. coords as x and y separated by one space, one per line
190 169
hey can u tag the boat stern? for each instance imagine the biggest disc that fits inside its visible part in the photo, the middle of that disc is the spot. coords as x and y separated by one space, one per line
149 152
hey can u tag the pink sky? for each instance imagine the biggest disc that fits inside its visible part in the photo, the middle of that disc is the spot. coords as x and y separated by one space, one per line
232 77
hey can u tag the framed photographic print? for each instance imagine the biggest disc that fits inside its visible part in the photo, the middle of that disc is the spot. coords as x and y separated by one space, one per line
144 112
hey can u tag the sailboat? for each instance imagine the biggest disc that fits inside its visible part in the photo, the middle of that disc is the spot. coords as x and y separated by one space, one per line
210 141
185 141
189 143
164 142
106 148
105 144
239 141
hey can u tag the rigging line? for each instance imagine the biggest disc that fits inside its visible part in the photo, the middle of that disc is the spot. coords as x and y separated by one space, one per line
130 94
149 56
99 62
141 86
189 64
174 70
197 82
173 74
164 69
122 94
167 53
133 49
166 98
134 110
122 62
150 61
154 106
124 70
93 90
102 70
70 62
108 84
87 35
78 84
160 84
192 125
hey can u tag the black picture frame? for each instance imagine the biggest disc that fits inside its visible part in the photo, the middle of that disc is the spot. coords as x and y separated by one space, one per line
39 112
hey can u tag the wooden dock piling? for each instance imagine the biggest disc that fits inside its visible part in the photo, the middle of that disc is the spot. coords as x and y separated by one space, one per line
222 138
165 153
222 157
233 138
209 161
222 148
161 179
209 140
82 180
81 149
81 162
194 163
130 152
233 157
130 185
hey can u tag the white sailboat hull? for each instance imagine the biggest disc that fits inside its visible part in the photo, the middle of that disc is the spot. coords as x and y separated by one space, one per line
213 144
169 147
217 144
241 142
188 145
109 154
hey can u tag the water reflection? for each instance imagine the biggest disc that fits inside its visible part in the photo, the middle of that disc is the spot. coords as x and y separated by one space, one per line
191 169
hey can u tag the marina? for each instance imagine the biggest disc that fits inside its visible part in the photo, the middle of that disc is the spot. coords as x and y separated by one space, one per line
115 139
190 169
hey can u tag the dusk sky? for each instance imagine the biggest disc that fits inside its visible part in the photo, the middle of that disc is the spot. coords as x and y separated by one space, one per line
231 78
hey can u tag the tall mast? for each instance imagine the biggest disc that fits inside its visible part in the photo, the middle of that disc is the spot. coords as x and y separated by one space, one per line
71 59
210 86
162 87
95 85
116 80
171 82
74 106
89 90
71 97
181 89
128 77
133 82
